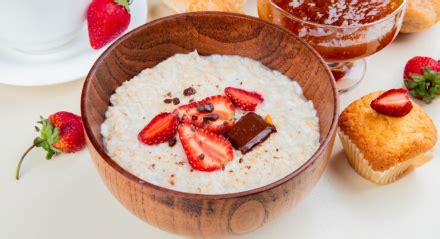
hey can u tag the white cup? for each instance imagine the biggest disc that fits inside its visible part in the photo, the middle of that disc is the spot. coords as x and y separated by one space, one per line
40 25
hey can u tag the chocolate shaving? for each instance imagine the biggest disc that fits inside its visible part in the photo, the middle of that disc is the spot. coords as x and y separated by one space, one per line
189 91
201 157
172 141
205 108
210 117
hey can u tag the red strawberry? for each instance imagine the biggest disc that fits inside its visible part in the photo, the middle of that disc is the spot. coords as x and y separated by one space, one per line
215 113
106 20
422 78
61 132
71 135
206 151
243 99
394 103
416 65
160 129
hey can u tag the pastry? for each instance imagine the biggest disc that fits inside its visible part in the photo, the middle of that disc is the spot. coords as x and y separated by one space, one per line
421 15
205 5
384 148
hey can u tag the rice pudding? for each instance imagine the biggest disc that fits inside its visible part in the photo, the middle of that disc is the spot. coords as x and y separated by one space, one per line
161 89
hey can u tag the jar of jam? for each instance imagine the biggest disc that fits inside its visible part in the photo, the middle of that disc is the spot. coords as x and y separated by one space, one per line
343 32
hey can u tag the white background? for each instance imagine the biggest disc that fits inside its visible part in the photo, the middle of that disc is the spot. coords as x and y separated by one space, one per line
65 198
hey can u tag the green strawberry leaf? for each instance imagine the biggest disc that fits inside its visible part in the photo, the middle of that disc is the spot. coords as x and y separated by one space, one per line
410 84
124 3
426 86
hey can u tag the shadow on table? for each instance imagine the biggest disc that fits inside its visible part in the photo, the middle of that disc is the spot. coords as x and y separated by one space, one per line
341 172
344 176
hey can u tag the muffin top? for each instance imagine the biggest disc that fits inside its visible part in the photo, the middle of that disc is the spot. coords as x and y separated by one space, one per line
421 15
386 141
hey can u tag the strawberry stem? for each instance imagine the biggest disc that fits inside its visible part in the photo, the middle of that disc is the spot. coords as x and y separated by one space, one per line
48 136
124 3
424 86
17 172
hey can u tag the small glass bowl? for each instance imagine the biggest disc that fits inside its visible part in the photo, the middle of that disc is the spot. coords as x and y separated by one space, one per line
342 47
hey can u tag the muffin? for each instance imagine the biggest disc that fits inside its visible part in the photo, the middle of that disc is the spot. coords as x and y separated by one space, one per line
205 5
383 148
421 15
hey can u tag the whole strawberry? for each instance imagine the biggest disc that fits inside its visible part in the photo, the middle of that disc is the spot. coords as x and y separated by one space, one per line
61 132
422 78
107 19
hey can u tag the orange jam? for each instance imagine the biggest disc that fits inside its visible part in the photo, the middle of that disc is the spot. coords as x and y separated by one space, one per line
338 29
339 12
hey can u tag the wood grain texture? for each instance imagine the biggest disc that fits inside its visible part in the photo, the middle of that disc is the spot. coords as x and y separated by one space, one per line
209 33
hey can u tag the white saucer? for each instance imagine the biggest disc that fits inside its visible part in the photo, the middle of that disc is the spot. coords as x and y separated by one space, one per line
68 63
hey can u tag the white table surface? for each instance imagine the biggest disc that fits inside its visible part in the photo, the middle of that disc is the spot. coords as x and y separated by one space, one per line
65 198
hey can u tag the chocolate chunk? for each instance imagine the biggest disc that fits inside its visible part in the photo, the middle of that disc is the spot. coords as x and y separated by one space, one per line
210 117
205 108
176 101
249 131
167 101
172 142
189 91
201 157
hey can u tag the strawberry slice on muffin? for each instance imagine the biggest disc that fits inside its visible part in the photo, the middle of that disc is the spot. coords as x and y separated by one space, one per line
394 103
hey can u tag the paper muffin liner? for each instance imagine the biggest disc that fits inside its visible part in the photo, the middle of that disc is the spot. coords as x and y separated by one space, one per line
360 164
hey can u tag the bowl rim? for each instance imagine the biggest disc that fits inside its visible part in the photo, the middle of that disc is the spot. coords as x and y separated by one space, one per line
141 182
328 26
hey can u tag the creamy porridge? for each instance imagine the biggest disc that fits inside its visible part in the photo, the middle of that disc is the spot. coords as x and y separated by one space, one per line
137 101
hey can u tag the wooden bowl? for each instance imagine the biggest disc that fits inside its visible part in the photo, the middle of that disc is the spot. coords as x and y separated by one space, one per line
209 33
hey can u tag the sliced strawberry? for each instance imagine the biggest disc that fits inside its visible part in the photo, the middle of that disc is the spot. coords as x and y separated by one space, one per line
215 113
245 100
394 103
205 150
185 113
160 129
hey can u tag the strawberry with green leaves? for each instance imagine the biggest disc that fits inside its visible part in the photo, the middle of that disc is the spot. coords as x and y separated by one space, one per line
422 78
62 132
